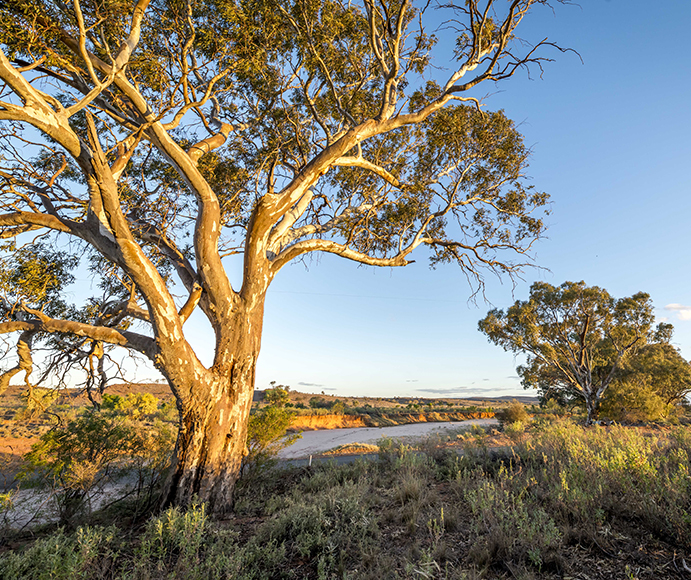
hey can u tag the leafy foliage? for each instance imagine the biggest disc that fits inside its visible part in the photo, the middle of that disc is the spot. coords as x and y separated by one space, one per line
277 395
78 459
36 275
513 413
38 400
136 405
575 338
266 436
633 400
649 386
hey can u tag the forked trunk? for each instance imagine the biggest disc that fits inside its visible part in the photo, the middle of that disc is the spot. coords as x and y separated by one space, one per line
212 441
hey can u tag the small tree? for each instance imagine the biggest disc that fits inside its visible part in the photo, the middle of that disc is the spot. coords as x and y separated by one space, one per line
664 368
277 396
575 336
266 436
80 458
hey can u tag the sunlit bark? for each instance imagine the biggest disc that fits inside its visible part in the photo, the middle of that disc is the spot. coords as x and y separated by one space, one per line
321 149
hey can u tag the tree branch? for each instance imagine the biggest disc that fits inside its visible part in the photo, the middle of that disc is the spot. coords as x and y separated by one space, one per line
44 323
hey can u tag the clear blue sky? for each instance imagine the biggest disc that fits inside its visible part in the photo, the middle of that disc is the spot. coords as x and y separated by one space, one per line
611 144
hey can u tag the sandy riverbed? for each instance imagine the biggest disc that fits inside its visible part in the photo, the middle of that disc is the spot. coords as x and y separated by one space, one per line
315 442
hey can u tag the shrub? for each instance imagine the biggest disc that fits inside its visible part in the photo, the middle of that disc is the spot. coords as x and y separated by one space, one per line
318 403
515 412
185 545
509 527
633 401
136 405
515 430
330 529
168 412
266 436
85 554
552 407
77 460
37 400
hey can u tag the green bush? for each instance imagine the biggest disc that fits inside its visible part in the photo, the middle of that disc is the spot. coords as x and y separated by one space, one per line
634 401
514 413
95 449
515 430
331 529
266 436
510 527
184 545
136 405
86 554
37 400
318 403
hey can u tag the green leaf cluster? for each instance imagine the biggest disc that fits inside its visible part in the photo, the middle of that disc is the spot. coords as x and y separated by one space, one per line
37 275
266 435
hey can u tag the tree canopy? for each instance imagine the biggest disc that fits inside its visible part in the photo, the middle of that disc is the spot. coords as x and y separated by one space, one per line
576 338
650 385
150 140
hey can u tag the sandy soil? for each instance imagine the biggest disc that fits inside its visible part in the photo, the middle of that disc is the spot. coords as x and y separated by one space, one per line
316 442
11 452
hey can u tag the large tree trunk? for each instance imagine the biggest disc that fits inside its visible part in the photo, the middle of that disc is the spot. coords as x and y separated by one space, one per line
592 406
212 439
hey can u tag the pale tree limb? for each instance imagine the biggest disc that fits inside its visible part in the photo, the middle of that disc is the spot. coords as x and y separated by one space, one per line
361 162
44 323
25 362
331 247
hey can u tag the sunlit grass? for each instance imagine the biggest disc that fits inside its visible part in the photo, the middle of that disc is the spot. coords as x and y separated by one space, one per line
530 509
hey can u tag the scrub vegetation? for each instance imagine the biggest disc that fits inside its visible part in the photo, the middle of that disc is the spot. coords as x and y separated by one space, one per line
612 501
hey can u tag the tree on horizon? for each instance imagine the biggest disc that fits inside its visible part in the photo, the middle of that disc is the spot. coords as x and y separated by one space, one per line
577 339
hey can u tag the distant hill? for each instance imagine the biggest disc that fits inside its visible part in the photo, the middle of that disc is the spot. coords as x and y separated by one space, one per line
298 397
162 392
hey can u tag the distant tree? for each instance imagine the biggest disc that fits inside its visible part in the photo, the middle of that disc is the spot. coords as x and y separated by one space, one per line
662 366
134 404
649 385
277 396
150 140
318 403
576 338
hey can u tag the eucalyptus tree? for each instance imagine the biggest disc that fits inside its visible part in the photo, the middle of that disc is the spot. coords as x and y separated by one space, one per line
576 337
151 139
